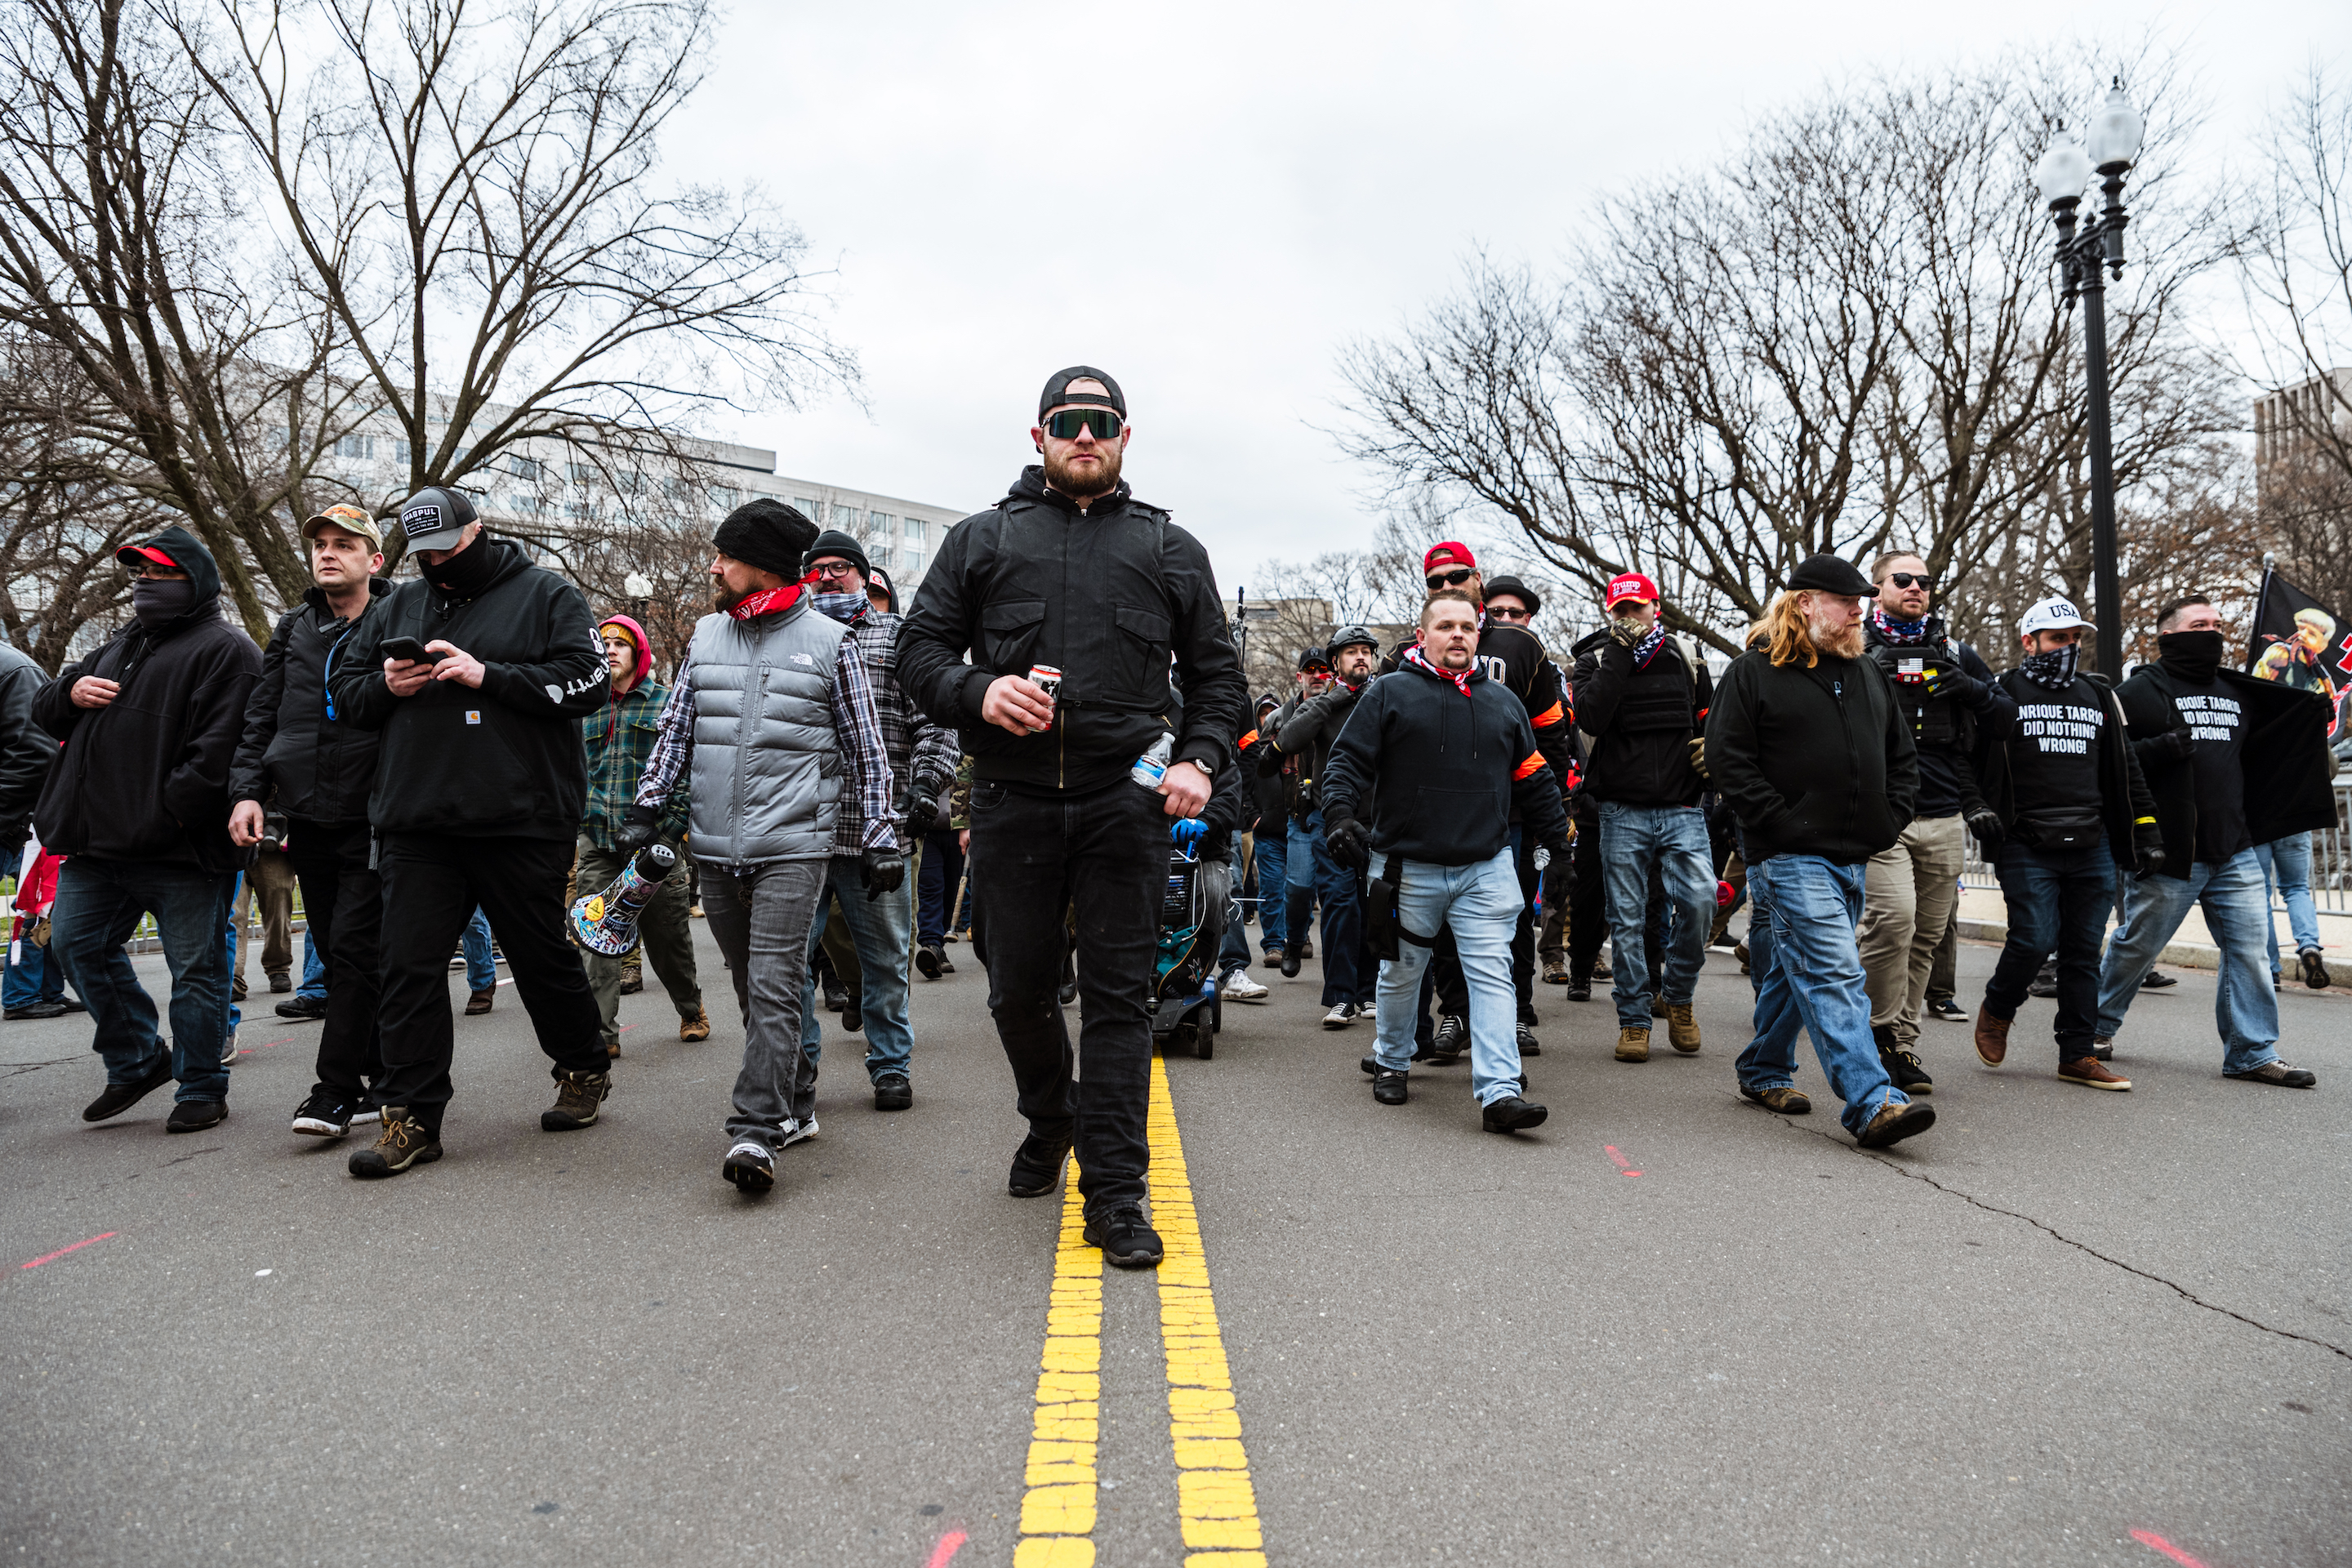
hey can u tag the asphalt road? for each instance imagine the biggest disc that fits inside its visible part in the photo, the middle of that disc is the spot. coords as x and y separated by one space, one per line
2059 1317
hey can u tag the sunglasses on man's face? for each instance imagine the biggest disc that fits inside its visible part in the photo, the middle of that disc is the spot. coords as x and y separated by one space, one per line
1454 579
1906 579
1066 424
1506 613
141 570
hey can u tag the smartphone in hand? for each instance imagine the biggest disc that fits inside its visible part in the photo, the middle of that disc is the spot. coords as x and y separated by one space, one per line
410 650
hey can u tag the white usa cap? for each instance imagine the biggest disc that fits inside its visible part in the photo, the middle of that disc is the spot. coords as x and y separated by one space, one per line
2051 615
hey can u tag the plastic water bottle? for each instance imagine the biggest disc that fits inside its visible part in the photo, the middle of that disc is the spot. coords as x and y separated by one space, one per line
1152 766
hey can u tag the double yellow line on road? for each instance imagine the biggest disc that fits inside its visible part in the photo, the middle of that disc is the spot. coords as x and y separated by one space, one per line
1216 1506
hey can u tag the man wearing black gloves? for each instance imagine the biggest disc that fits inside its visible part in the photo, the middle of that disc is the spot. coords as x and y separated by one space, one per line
2068 806
480 786
772 723
1070 570
2231 762
322 771
1304 729
1642 694
1448 754
138 804
1952 703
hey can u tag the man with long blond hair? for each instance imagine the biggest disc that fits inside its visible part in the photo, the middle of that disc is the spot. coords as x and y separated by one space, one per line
1807 744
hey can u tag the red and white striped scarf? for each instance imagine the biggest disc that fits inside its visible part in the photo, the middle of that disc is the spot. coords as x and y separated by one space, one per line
1413 655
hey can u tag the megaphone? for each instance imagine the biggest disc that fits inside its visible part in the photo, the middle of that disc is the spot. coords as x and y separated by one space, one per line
606 922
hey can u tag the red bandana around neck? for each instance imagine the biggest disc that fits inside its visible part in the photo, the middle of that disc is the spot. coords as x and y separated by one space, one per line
768 600
1413 655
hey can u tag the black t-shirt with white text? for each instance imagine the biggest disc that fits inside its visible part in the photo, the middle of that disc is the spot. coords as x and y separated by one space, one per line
2218 721
2053 760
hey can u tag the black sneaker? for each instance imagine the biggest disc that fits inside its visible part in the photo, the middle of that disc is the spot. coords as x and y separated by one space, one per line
1125 1237
1949 1010
1292 958
1453 1038
35 1010
577 1097
926 959
72 1004
750 1167
2154 982
1387 1087
401 1143
303 1008
1037 1167
2045 981
118 1098
1528 1044
1512 1114
2314 972
893 1092
195 1115
1580 986
2278 1073
323 1115
1904 1067
1067 994
853 1012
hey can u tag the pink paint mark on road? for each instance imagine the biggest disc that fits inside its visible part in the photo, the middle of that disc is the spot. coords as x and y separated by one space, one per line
944 1552
624 1028
2151 1539
1624 1166
61 1251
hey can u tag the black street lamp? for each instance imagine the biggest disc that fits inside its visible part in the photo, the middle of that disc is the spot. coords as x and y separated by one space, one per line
2063 174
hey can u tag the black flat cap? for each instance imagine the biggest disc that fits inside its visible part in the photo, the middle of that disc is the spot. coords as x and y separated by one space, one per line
1827 574
1518 589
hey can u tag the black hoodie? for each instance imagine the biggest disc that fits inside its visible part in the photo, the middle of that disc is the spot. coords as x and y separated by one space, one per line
503 760
146 777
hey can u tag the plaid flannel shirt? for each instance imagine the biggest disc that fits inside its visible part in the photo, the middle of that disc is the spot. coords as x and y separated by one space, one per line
619 740
922 754
856 728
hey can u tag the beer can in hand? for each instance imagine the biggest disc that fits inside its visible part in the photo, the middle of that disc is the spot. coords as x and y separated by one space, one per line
1050 678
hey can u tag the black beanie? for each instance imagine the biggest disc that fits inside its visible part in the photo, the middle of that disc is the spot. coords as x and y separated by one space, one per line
768 534
835 542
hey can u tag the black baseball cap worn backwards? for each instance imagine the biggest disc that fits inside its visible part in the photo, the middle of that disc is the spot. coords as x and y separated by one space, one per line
1058 391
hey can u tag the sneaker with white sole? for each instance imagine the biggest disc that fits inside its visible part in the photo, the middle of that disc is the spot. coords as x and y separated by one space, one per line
750 1167
1340 1017
797 1132
1239 987
323 1116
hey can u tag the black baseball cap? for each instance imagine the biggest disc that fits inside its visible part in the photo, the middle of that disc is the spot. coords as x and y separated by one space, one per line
1058 391
434 517
1827 574
1267 699
1310 657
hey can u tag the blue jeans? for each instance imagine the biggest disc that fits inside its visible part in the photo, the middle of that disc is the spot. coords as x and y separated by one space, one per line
881 931
935 884
99 905
2058 901
481 968
1482 902
1310 861
2286 865
1810 975
2245 1009
1673 837
1273 888
32 975
314 971
1234 951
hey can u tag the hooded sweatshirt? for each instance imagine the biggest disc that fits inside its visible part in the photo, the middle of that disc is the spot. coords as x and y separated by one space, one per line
146 777
619 740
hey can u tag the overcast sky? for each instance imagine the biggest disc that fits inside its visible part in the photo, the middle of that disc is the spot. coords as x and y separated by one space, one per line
1210 199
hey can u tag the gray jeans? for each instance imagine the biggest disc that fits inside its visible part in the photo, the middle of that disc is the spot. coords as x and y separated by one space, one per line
760 916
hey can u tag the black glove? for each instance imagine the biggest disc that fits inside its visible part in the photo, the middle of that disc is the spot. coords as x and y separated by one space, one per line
881 870
922 809
637 825
1351 845
2176 743
2147 856
1951 681
1985 822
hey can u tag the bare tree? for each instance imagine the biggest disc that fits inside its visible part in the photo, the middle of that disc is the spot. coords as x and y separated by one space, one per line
2295 260
60 519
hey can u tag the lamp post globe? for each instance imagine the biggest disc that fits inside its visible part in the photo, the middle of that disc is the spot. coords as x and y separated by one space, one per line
2065 171
2116 133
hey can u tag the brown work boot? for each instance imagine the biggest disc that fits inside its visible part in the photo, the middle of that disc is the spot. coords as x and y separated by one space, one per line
1632 1045
401 1143
1682 1028
1993 1038
1787 1101
1896 1121
577 1096
2092 1072
695 1028
479 1002
632 976
1555 969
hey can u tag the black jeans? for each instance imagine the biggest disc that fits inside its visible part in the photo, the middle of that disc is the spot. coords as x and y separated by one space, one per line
431 884
935 887
1033 858
2058 901
344 898
1588 894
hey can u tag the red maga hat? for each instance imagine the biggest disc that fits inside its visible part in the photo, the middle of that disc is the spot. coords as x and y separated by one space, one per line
1630 586
146 553
1446 553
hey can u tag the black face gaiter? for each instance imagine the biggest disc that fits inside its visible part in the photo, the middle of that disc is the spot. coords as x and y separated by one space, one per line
2194 657
466 573
159 601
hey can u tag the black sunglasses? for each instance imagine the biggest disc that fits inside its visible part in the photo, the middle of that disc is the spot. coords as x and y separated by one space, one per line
1066 424
1454 579
1905 579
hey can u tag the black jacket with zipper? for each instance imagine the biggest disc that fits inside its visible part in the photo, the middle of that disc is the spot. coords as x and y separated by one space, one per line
505 759
1814 761
1106 596
28 752
2125 809
1641 721
2284 757
1448 768
1304 729
321 769
145 778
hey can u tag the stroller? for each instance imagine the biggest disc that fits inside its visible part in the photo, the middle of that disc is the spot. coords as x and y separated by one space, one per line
1184 1006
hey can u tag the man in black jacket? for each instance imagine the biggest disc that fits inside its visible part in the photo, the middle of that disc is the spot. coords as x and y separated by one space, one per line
1444 754
2069 807
1806 743
138 805
1072 572
1642 695
479 788
1948 694
322 771
2231 762
28 752
1303 729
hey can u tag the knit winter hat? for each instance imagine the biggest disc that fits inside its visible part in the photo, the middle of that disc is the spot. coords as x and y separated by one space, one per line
766 534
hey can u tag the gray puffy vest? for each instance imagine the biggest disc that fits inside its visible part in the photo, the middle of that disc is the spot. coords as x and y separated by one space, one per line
767 763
